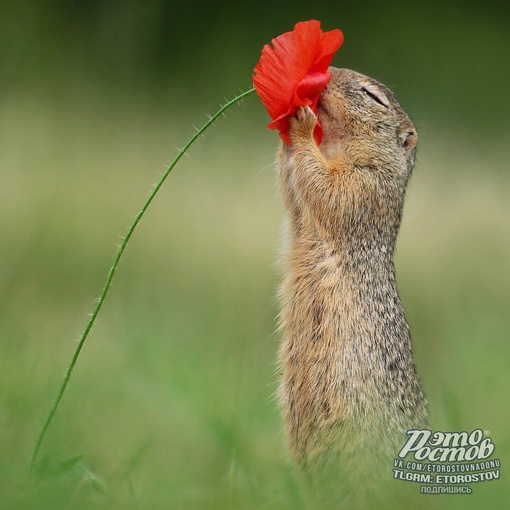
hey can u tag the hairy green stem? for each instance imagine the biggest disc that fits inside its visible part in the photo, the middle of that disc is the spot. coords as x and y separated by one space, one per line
113 269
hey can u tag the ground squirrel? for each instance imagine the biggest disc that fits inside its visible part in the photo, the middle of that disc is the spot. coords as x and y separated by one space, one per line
349 387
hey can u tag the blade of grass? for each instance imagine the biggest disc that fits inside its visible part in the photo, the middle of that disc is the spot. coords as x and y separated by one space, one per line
113 269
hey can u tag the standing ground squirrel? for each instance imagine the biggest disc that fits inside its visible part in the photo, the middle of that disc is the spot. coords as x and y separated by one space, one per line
349 387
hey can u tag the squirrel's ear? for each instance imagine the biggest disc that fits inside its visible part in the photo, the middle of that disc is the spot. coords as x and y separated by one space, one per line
408 138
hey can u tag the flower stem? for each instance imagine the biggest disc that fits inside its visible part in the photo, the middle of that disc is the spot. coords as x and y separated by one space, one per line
113 269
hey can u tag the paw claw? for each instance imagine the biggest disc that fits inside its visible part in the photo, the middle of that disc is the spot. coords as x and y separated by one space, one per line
303 124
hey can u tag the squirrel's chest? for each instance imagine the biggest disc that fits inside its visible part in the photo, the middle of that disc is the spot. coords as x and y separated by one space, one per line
316 296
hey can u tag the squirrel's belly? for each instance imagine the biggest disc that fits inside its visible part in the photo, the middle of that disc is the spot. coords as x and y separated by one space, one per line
313 389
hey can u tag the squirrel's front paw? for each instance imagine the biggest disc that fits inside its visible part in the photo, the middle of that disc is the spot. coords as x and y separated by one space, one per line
303 124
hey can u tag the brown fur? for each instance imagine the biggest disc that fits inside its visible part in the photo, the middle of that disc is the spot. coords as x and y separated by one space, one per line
349 387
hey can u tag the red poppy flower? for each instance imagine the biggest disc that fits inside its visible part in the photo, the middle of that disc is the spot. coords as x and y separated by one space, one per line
294 71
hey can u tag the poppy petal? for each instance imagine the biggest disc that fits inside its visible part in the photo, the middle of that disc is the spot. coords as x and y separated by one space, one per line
310 87
292 72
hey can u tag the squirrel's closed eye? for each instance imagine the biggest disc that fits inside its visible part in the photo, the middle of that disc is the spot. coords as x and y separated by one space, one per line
376 95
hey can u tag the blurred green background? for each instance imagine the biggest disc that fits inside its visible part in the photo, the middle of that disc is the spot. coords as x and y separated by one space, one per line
171 402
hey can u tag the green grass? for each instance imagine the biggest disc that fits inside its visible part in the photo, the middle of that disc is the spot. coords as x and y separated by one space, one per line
171 402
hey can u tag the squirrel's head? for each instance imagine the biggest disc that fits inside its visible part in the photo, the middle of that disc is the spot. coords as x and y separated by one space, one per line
363 122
